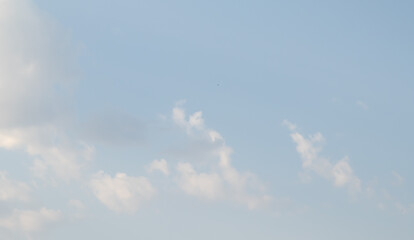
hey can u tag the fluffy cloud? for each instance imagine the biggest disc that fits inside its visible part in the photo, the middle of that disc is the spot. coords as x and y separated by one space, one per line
29 220
340 173
222 181
159 165
13 191
121 193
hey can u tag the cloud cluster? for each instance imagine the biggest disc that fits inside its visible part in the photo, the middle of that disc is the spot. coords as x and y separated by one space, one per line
222 181
340 173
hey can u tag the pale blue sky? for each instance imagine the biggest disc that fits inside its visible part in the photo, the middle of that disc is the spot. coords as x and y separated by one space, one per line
103 135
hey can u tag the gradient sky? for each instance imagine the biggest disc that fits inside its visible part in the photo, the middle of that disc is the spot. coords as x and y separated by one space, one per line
206 120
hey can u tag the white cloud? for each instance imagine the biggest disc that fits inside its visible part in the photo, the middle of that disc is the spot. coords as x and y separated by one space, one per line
341 173
344 176
222 181
13 191
29 220
159 165
243 188
121 193
214 136
309 152
195 121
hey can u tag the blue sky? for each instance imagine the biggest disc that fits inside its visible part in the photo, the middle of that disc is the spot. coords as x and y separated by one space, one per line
206 120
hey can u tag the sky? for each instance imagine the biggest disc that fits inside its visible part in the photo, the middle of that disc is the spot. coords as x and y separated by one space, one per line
206 120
